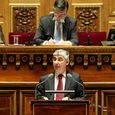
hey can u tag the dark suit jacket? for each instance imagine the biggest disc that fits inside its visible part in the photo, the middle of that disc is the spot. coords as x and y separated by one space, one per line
46 30
2 35
47 83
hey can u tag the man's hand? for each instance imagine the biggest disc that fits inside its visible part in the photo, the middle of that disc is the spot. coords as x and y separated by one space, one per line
45 98
66 98
51 42
64 43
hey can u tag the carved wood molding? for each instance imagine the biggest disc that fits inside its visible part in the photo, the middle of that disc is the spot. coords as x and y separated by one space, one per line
96 55
24 17
88 16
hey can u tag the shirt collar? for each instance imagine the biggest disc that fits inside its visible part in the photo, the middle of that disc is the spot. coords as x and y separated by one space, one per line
64 75
54 19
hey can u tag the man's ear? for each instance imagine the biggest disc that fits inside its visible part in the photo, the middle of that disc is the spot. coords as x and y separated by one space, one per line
67 62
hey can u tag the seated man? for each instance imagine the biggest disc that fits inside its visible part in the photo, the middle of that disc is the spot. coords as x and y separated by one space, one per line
57 28
60 79
2 40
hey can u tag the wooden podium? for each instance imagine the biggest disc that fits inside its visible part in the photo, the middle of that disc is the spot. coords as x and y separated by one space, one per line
72 107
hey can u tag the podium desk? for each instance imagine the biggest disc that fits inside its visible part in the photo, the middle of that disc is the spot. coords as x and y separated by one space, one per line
72 107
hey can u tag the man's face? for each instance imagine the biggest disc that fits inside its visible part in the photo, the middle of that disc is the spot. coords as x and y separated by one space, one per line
60 14
59 63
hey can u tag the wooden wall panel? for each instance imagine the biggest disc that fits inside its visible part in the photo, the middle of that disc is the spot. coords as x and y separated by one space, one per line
26 96
8 102
27 75
93 98
15 97
108 102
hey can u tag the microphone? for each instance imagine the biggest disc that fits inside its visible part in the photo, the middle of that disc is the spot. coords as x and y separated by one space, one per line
69 75
36 90
88 43
50 75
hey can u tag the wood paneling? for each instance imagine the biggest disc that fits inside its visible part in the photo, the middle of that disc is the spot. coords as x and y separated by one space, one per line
26 96
93 98
108 102
8 102
15 97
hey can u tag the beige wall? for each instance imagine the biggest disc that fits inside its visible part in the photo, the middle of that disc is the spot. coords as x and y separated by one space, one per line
45 6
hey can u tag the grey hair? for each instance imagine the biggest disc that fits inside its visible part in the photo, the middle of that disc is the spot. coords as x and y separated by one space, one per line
62 52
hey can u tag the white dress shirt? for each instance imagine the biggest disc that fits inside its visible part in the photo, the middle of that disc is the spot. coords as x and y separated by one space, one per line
56 82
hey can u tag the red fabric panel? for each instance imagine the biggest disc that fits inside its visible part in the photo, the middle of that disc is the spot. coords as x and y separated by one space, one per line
23 38
95 37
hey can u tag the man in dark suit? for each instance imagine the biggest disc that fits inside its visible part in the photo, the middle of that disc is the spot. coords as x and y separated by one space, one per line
46 33
70 81
2 40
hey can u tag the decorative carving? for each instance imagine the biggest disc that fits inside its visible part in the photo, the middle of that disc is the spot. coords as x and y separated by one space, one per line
106 59
44 61
82 55
71 61
79 59
4 62
87 18
99 62
11 59
31 61
24 58
92 59
85 61
24 19
50 59
17 61
113 61
37 59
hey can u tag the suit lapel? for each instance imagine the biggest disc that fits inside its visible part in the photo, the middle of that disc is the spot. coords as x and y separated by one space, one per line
51 86
65 28
67 83
64 31
52 23
51 83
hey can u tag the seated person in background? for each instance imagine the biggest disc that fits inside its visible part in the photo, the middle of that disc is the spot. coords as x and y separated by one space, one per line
57 28
60 79
2 40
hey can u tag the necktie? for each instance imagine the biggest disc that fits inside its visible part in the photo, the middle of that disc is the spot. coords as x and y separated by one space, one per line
57 34
59 96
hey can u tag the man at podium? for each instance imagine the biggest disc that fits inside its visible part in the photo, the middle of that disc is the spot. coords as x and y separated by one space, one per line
57 28
61 84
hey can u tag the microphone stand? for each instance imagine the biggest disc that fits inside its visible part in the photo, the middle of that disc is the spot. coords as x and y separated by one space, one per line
29 43
88 39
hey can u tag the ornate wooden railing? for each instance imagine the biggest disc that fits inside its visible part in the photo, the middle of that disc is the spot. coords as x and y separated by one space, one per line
32 55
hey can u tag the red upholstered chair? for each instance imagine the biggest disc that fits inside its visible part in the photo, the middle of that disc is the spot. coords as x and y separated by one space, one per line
24 37
95 37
